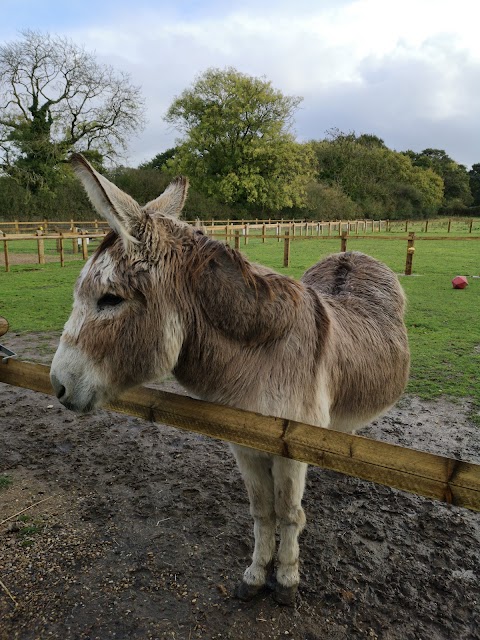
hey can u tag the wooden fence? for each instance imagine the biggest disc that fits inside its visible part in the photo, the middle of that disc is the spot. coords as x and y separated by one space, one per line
79 239
229 234
425 474
51 226
296 227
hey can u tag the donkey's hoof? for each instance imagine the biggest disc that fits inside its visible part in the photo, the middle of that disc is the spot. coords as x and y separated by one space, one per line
246 592
285 595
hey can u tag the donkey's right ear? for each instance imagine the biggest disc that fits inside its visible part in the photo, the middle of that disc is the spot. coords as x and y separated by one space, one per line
120 210
171 201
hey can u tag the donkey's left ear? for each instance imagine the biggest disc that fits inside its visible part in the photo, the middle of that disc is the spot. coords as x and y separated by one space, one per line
171 201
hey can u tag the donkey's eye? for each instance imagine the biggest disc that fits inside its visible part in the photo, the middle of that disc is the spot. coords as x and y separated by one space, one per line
109 300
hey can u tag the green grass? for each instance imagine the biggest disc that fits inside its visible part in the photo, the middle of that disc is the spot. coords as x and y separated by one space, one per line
443 323
5 481
38 298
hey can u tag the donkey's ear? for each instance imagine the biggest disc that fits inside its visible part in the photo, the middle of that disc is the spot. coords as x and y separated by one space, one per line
118 208
171 201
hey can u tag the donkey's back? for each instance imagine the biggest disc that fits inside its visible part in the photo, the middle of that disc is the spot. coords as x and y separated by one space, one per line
367 352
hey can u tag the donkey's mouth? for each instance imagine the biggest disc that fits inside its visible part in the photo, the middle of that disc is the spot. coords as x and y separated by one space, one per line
82 410
75 399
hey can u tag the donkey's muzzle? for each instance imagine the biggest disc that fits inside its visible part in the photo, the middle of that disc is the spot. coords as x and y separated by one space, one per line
57 386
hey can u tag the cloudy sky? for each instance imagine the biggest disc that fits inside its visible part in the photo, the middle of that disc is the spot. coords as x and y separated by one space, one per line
405 70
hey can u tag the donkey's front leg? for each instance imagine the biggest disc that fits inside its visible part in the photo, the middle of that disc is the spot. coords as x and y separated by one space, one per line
289 484
257 474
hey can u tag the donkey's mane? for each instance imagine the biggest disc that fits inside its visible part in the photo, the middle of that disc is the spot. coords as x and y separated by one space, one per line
203 252
208 252
107 242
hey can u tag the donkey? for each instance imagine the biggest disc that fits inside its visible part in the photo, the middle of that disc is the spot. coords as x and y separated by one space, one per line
159 297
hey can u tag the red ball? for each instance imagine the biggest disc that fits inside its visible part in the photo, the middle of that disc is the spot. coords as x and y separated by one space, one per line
460 282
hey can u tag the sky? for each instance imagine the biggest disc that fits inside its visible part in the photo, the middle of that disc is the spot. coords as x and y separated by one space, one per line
407 71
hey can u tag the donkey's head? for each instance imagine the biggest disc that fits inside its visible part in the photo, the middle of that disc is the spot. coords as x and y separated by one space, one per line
124 328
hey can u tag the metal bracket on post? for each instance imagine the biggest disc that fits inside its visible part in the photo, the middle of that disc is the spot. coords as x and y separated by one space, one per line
6 353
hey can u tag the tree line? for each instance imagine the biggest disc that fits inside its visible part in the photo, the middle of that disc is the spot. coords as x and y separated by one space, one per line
236 144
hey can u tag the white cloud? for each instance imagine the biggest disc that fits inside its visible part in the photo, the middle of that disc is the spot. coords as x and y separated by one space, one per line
407 71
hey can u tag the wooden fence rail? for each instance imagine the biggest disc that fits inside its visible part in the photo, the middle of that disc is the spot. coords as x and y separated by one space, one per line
296 226
228 234
425 474
78 239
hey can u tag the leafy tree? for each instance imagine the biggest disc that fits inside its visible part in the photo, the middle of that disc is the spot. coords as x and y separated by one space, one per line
455 176
326 202
237 145
474 178
160 160
55 98
379 180
142 184
370 140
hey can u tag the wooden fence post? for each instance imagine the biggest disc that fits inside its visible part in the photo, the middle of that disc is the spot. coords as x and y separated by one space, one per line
286 249
5 252
343 245
61 250
237 239
84 247
74 240
410 252
57 241
471 225
279 228
449 225
406 226
264 230
40 247
426 226
245 232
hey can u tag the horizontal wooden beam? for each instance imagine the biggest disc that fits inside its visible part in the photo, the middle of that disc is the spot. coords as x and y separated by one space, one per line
425 474
68 235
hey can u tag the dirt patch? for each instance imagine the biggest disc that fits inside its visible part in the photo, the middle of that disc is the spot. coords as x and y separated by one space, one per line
146 531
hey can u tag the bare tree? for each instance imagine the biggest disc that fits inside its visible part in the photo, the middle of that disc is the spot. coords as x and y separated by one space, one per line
56 98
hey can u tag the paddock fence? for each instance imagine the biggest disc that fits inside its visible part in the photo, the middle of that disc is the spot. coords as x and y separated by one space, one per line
84 241
432 476
301 226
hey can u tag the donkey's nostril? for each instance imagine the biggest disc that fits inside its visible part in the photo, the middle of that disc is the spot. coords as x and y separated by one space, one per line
57 386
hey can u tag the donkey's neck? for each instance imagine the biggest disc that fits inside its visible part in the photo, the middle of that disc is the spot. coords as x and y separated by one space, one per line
247 328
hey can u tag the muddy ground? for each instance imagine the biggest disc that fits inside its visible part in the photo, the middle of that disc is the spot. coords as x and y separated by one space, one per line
142 531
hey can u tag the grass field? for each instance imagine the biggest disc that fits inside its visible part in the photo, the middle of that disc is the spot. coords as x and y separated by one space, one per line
443 323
